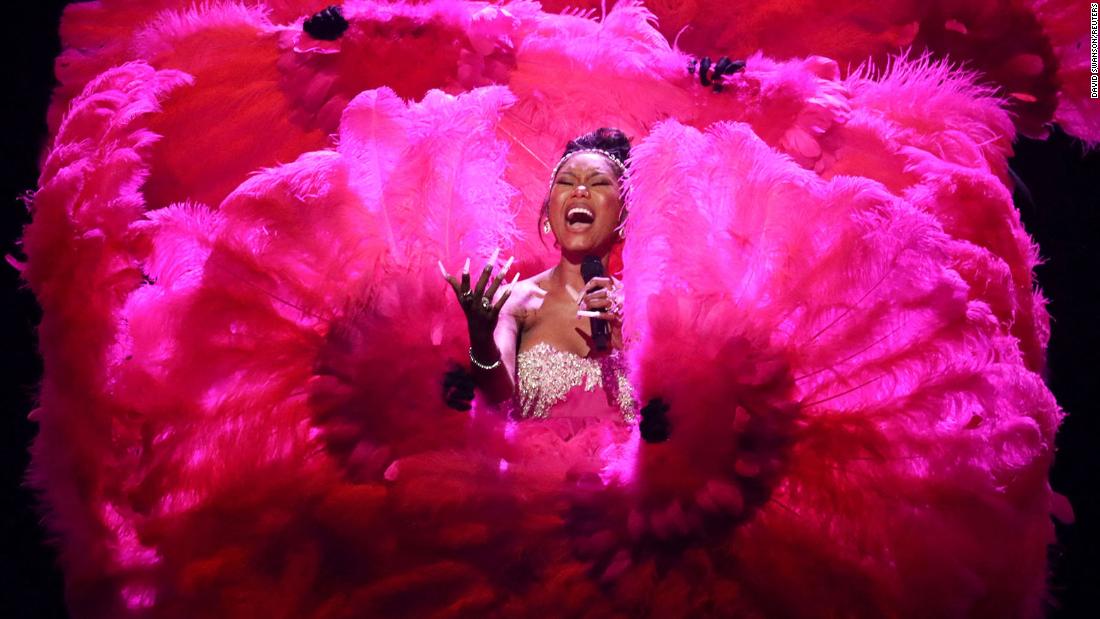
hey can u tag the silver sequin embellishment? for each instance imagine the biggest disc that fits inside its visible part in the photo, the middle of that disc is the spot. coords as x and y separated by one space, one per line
546 375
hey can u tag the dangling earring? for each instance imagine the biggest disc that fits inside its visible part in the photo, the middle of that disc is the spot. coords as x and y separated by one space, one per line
546 227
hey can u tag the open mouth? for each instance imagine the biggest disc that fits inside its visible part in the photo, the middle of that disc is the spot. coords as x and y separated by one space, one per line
579 218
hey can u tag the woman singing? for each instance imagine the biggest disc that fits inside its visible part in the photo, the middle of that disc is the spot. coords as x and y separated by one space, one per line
531 346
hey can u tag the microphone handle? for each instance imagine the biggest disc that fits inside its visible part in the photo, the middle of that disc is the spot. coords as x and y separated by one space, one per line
601 333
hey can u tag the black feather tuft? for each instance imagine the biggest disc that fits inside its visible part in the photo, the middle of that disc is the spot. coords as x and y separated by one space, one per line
654 426
458 387
326 25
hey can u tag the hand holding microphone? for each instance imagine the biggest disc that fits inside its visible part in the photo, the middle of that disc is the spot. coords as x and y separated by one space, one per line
600 301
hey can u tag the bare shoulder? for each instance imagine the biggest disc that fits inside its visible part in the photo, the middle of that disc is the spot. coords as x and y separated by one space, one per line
526 296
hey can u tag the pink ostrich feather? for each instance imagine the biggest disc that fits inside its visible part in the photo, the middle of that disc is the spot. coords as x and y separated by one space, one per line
1030 50
86 212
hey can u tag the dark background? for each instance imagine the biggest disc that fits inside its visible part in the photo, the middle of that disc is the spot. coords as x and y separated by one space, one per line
1062 213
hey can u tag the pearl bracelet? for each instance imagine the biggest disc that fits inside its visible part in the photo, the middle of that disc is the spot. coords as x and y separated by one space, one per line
482 365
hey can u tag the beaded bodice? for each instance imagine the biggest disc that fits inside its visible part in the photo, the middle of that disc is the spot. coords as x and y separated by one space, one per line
546 375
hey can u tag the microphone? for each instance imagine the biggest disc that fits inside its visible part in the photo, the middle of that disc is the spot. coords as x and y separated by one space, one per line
601 331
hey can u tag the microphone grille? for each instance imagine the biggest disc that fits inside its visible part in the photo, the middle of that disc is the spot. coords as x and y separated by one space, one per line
591 267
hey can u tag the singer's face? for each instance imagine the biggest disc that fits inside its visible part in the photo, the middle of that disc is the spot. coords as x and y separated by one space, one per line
585 204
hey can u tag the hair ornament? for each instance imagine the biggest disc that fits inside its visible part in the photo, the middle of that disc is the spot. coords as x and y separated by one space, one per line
615 160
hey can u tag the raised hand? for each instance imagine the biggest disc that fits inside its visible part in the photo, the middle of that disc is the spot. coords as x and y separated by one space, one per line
477 302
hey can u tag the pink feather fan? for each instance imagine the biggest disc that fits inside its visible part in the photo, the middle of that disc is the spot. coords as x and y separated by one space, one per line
863 389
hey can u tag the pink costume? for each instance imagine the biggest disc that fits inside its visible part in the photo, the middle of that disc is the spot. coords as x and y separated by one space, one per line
235 240
576 414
